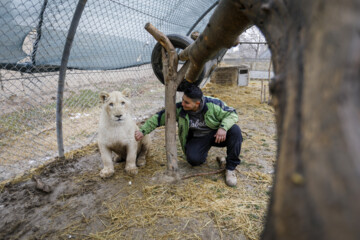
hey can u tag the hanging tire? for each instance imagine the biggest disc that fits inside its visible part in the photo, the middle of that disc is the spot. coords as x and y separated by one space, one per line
180 43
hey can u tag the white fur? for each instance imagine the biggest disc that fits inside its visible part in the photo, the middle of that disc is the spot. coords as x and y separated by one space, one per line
116 134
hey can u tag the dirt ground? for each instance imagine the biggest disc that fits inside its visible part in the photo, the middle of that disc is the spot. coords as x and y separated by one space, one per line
77 204
34 130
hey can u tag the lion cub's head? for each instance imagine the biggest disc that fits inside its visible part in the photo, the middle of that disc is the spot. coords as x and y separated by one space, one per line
116 104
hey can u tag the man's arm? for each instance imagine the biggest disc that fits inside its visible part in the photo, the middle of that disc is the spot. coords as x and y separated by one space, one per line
150 125
227 116
220 135
224 114
138 135
155 121
229 120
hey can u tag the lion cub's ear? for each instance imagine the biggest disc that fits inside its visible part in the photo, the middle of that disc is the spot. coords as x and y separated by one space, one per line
103 96
126 92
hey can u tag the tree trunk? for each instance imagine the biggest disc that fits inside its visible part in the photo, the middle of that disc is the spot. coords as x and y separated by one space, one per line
315 49
170 111
172 79
172 82
170 62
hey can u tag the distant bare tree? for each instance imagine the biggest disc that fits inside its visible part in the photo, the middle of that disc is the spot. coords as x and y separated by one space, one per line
252 46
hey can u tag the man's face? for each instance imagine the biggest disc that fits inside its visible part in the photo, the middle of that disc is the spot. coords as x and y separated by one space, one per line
188 104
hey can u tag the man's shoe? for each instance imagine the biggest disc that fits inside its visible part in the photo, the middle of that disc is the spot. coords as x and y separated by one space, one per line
230 178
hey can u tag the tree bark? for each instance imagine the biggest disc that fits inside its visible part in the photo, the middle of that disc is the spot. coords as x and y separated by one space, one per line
171 84
315 48
215 36
172 80
170 111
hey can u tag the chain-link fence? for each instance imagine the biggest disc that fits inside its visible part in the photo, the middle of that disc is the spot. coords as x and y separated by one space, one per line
111 51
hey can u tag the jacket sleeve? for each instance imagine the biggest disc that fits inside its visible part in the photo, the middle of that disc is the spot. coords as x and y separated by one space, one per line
227 116
157 120
153 122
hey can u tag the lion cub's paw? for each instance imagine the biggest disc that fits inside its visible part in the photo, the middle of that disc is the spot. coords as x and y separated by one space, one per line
140 162
105 173
131 171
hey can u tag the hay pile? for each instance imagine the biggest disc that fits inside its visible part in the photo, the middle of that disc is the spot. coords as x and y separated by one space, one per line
200 207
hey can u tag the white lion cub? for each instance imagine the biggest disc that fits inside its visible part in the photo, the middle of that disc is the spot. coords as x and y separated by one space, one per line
116 134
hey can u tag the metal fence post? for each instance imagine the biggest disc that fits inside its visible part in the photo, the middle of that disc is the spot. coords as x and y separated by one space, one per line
64 61
38 32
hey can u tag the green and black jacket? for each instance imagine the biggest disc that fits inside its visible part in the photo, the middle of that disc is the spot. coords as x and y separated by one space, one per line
216 114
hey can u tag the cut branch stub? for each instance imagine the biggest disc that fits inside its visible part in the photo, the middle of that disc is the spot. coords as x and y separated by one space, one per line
169 47
182 72
160 37
170 63
165 62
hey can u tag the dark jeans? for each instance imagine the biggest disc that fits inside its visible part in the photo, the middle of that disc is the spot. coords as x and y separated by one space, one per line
197 148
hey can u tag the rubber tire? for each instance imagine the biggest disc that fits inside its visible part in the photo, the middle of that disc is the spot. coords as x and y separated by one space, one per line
179 42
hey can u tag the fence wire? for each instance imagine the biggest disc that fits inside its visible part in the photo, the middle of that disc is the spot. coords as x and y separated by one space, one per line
111 51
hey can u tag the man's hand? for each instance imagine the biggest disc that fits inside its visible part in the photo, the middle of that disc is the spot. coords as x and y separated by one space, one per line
220 135
138 135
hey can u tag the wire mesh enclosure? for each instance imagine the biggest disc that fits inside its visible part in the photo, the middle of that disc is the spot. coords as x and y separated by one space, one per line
110 51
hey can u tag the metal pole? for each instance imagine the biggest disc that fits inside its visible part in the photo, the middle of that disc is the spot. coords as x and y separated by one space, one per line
201 17
38 32
269 80
64 61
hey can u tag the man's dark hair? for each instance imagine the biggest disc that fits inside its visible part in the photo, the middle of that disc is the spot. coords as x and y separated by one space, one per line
193 92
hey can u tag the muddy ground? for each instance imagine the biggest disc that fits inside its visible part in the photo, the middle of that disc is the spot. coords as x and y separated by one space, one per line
28 122
77 204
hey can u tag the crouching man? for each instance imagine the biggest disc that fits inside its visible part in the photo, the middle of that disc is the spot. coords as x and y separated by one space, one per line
203 122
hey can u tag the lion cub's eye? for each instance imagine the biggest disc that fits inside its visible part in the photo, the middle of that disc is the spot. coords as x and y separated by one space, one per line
122 103
111 104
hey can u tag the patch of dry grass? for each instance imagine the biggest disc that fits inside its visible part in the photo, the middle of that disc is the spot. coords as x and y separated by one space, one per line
201 207
70 156
198 206
170 211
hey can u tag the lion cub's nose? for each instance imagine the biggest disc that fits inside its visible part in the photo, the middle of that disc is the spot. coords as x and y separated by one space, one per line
118 116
